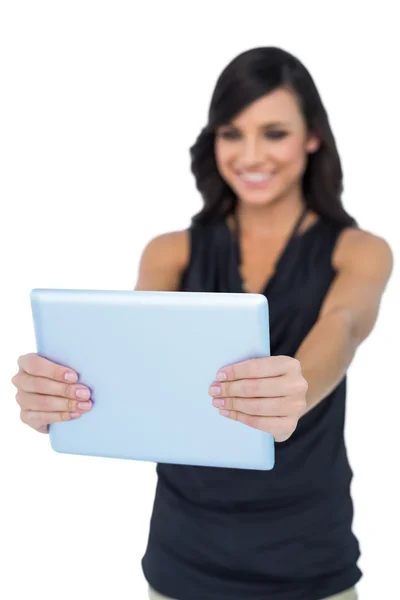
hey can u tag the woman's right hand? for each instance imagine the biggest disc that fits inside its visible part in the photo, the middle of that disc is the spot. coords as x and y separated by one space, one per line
48 393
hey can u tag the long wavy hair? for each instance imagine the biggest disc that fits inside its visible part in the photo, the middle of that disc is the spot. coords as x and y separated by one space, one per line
248 77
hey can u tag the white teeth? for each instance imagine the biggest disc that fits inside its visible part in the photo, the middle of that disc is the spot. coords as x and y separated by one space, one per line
255 177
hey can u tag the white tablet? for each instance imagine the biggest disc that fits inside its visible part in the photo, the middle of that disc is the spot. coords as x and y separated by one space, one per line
149 359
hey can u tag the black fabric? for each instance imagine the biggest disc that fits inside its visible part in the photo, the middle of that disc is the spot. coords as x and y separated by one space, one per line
284 534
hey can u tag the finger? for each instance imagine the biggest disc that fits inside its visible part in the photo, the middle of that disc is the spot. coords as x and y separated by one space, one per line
48 387
265 407
41 367
255 368
272 387
281 428
42 403
40 420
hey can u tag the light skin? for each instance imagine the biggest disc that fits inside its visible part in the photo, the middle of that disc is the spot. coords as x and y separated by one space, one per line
271 394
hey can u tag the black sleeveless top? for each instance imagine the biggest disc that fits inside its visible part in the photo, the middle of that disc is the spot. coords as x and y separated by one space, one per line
284 534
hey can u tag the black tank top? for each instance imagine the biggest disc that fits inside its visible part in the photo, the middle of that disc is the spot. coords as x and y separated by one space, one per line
284 534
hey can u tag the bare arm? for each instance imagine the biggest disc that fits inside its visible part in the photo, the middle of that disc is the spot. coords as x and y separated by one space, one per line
364 263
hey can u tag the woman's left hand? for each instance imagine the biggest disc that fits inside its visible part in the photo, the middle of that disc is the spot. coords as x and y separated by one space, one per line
265 393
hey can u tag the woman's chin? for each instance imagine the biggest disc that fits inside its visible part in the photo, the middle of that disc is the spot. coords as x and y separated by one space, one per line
256 199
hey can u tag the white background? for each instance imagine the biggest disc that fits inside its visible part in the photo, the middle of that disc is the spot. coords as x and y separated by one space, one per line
99 104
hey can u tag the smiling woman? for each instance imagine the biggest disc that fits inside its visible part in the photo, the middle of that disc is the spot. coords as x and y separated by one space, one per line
273 222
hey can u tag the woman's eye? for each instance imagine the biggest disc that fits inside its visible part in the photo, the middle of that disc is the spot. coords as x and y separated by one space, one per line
229 135
275 135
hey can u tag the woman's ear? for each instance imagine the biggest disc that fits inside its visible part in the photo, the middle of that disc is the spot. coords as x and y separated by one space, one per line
313 144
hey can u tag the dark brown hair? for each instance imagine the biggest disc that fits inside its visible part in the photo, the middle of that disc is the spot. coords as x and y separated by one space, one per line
248 77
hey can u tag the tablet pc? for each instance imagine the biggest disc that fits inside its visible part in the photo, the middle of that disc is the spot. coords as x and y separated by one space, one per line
149 359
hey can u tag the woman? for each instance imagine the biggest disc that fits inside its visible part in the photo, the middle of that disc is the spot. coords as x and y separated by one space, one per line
273 222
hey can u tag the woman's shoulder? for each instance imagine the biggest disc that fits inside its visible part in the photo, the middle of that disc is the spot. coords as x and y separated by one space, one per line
163 261
172 246
356 246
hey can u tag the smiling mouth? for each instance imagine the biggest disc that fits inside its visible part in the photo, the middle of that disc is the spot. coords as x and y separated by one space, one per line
255 179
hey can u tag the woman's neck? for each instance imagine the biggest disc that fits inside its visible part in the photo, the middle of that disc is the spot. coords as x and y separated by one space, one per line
270 220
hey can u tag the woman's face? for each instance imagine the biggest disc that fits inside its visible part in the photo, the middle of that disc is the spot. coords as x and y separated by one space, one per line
262 153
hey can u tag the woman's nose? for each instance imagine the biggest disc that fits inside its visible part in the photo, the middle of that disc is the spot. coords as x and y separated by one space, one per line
251 153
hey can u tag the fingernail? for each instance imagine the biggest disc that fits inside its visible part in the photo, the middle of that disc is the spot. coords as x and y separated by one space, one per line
219 403
75 415
84 405
71 377
221 376
224 413
215 390
84 394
